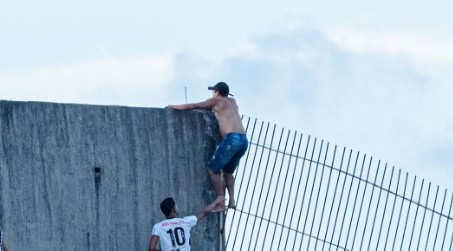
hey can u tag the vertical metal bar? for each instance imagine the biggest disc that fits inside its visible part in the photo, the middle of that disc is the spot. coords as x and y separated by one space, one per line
451 242
446 224
347 200
334 197
341 199
377 205
248 183
371 200
256 178
298 186
393 209
312 188
416 213
275 193
362 201
401 211
325 197
432 217
424 214
283 190
261 192
407 214
305 188
385 206
291 185
440 218
317 196
272 175
356 196
242 178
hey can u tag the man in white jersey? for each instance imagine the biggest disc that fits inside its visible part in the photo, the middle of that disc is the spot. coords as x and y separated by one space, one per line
2 243
173 234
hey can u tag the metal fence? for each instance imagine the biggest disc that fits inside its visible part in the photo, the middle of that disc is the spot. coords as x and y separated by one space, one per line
296 192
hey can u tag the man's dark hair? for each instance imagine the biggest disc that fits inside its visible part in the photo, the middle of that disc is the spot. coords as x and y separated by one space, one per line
222 88
167 205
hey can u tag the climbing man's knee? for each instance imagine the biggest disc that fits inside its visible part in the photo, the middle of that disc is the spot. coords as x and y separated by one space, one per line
210 171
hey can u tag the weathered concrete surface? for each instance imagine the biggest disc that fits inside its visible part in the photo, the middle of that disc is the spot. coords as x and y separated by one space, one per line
81 177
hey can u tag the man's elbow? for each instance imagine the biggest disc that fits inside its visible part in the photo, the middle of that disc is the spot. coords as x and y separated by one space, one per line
192 107
152 247
200 215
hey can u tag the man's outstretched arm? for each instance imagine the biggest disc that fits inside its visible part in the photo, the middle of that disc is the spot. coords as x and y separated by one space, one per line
206 105
203 212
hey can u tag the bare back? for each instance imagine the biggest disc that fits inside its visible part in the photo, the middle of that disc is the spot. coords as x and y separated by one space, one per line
227 114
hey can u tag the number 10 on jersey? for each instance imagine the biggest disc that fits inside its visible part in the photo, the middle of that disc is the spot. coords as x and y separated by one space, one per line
177 236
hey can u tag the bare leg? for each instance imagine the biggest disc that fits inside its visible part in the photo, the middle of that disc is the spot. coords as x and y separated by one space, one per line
218 188
229 181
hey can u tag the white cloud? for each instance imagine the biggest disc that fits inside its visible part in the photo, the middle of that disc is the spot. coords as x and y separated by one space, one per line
394 44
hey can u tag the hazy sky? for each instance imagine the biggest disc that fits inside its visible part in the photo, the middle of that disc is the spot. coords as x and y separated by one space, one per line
373 76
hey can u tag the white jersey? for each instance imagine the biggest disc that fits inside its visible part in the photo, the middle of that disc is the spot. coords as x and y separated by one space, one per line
174 234
1 241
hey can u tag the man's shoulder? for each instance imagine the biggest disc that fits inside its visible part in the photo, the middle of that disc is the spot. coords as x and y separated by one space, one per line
158 224
225 102
191 220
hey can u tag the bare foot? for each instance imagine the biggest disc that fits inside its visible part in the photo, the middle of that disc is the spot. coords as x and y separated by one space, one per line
232 205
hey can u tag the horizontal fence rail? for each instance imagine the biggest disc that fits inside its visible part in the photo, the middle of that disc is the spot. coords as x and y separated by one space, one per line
296 192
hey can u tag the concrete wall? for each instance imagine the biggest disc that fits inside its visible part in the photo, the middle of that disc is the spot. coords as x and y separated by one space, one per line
82 177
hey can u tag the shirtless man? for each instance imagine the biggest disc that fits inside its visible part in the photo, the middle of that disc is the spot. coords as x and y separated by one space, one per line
234 141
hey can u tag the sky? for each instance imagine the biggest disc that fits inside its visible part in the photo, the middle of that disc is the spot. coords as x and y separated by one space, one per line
373 76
